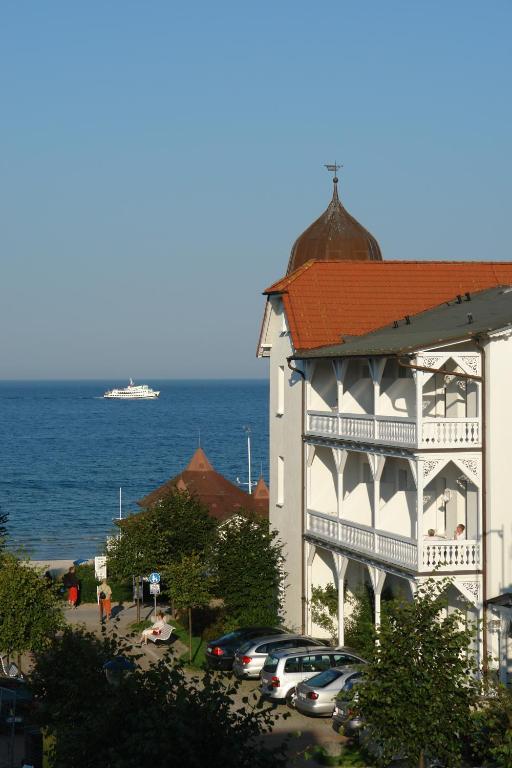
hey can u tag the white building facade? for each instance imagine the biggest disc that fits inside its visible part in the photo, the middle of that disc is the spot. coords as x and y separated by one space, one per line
377 457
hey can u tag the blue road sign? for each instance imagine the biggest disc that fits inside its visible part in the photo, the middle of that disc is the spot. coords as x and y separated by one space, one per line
154 578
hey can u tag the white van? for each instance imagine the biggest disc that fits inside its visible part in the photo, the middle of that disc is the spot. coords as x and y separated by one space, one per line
283 670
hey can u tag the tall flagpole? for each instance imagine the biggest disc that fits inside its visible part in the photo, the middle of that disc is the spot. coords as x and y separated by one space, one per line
248 431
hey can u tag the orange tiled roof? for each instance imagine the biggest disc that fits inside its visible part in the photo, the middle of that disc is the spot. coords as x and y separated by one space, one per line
326 300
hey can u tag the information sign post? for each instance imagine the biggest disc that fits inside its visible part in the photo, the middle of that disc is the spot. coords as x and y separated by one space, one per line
154 586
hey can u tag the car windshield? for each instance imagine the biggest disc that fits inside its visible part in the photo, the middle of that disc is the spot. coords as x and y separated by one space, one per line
324 678
270 663
354 680
350 683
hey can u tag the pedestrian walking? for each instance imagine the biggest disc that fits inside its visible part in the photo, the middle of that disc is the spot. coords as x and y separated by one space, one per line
71 583
104 593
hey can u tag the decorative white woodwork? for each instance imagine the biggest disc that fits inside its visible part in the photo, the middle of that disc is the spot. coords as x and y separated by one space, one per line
444 556
397 549
435 432
459 555
451 433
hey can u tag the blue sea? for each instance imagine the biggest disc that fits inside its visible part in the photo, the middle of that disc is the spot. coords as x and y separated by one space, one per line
65 452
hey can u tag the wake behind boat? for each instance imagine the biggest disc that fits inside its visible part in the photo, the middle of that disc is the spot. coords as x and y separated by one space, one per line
132 392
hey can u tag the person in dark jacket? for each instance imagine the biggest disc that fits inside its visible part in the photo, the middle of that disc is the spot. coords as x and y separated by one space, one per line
70 582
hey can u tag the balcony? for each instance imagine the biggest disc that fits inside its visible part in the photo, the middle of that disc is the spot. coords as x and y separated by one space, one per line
443 556
391 430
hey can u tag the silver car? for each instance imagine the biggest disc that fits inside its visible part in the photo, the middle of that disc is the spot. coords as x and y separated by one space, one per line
250 657
284 670
317 695
345 715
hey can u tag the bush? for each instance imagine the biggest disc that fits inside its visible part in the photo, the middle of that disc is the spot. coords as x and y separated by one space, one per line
216 629
490 735
359 627
324 609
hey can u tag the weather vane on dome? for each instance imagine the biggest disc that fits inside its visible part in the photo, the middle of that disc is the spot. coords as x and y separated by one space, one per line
332 168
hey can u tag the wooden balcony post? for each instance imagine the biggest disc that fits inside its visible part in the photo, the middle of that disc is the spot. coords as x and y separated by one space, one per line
419 512
379 462
342 372
418 375
341 568
340 466
377 577
310 551
376 367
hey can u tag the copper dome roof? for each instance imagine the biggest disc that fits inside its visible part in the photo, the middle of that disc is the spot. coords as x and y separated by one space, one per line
334 236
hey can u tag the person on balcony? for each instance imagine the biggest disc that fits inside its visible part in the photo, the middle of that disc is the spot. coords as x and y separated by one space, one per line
431 534
460 532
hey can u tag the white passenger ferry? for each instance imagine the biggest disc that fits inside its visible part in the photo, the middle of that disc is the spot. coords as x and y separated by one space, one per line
132 392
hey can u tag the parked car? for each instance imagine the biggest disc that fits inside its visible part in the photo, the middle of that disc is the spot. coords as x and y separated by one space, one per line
346 716
15 703
250 657
317 695
220 653
284 670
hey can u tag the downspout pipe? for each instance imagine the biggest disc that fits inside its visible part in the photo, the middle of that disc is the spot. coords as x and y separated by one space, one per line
303 476
485 665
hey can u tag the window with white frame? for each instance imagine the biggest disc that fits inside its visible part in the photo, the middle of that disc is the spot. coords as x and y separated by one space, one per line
280 480
280 390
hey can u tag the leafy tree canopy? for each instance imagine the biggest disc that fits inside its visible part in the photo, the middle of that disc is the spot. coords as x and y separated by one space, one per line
247 564
30 611
188 586
188 583
153 539
4 517
419 683
157 717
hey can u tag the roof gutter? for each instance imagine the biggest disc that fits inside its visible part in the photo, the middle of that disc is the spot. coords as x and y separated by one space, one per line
485 664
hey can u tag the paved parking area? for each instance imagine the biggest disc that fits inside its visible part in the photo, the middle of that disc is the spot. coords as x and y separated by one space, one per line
301 732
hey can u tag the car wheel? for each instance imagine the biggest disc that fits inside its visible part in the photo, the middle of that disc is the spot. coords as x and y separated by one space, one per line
291 697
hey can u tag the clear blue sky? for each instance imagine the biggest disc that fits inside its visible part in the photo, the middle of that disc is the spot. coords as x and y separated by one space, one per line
158 159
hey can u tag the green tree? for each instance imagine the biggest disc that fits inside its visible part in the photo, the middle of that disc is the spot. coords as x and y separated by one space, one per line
360 624
247 567
189 587
153 539
419 683
30 612
154 717
490 737
4 517
324 608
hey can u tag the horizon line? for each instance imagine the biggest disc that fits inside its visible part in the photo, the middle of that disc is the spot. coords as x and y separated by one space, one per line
150 378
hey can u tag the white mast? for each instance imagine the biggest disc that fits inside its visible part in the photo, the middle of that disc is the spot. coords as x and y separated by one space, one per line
248 432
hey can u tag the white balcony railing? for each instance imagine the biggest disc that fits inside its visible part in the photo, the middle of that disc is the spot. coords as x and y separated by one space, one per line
441 556
460 555
391 430
447 433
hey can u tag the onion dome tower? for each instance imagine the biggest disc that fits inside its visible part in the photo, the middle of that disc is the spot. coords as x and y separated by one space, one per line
334 236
